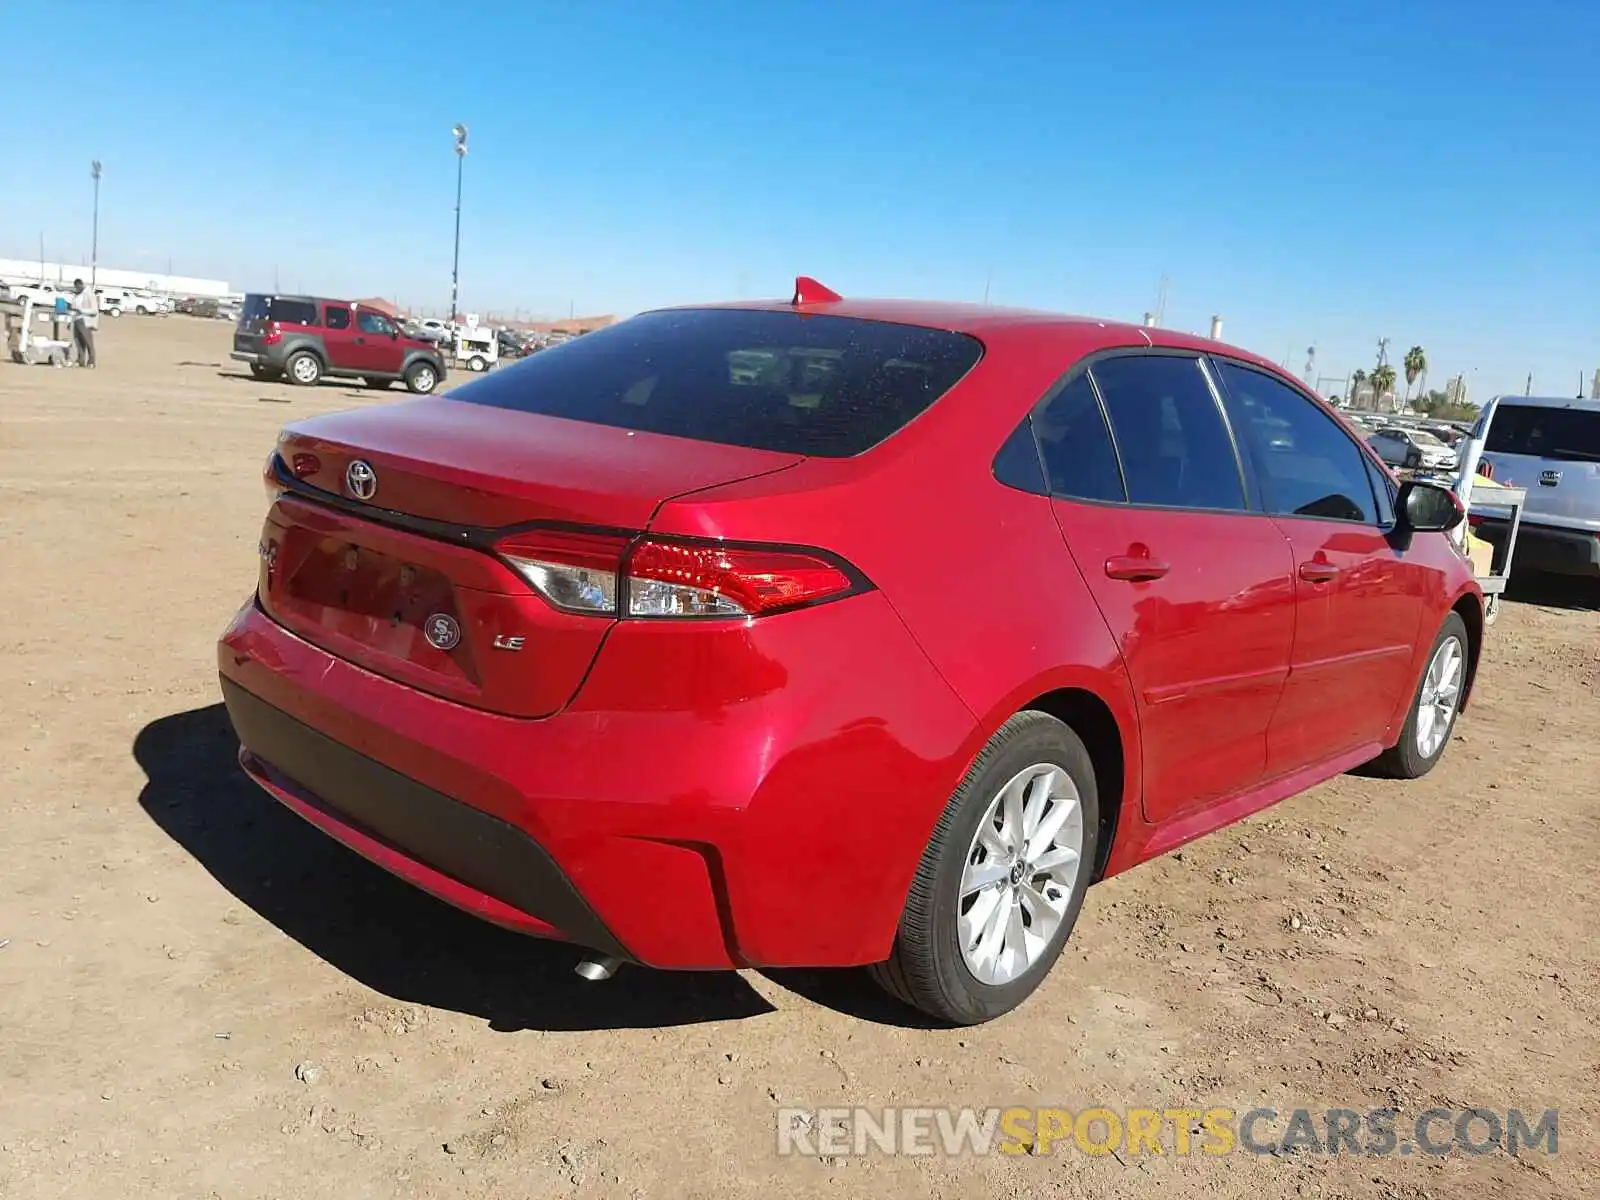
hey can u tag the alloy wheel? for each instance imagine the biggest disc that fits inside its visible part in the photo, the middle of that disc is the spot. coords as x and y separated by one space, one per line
1441 690
1019 874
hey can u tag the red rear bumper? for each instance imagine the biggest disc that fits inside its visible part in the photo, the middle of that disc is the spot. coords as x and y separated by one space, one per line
749 795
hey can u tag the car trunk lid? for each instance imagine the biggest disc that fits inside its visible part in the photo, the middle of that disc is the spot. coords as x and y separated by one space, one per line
380 551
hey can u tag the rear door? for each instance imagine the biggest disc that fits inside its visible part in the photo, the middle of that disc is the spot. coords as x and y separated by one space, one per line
261 313
1358 600
1195 587
339 337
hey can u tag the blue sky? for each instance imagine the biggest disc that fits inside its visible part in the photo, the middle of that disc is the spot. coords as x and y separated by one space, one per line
1314 173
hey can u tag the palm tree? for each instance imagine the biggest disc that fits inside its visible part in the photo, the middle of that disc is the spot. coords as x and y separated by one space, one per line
1356 380
1416 363
1382 380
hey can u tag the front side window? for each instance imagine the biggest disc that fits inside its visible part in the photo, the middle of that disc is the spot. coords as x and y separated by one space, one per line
371 322
1308 466
1171 436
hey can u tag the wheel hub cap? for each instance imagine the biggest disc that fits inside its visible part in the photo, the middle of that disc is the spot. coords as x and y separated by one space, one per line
1020 873
1441 691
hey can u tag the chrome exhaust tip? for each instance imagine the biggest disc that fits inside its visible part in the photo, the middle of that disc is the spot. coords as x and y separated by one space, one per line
598 969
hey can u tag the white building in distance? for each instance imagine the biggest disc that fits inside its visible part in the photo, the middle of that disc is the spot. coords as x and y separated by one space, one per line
17 270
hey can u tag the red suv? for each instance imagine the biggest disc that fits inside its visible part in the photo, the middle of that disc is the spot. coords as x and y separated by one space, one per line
303 338
831 633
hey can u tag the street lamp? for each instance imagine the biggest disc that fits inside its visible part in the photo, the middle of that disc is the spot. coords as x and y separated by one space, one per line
460 132
95 171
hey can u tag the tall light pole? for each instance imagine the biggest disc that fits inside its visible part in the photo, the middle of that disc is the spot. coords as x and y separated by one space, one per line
460 132
95 171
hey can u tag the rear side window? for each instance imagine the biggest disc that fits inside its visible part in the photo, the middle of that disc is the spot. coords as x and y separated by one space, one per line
336 317
1171 436
1565 434
1076 446
278 308
800 383
1307 464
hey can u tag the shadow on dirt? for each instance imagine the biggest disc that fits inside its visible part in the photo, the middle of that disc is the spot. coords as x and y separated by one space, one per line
385 933
1575 592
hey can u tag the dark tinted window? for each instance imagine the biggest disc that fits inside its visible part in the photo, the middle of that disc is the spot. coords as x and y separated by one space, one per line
1171 436
806 384
1569 434
1307 464
336 317
1017 463
1076 445
371 322
258 307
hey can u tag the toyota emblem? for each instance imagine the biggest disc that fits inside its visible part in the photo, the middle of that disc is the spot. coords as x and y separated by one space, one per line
442 631
361 479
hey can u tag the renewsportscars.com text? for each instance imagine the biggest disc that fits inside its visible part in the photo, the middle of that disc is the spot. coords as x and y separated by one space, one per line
1157 1131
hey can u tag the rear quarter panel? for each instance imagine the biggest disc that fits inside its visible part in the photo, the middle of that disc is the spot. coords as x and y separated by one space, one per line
977 571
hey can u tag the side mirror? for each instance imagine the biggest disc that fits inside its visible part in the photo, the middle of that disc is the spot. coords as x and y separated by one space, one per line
394 335
1423 507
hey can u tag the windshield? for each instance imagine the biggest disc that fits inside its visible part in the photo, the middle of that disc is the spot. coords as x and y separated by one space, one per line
1570 434
801 383
1423 438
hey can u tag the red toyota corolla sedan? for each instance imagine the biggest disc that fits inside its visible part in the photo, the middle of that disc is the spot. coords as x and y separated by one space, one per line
835 633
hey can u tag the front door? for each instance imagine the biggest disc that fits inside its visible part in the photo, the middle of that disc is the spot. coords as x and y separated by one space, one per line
376 345
1196 589
1358 602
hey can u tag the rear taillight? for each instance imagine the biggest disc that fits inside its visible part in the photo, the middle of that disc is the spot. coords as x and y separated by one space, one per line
272 336
269 477
683 579
610 574
574 571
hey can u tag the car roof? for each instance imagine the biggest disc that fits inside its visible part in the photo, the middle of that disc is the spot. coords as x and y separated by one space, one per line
984 320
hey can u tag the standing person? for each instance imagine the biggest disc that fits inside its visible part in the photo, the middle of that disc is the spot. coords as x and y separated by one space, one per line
87 307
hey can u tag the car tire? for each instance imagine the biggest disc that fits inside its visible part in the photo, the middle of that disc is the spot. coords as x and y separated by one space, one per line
954 957
1422 742
114 312
265 373
421 378
303 368
477 364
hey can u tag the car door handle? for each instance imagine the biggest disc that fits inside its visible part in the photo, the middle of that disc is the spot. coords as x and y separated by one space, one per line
1318 571
1136 568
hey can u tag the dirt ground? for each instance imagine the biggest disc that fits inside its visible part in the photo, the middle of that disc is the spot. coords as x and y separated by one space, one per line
202 997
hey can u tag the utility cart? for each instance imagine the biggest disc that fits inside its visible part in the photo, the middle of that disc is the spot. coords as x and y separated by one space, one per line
24 343
1486 500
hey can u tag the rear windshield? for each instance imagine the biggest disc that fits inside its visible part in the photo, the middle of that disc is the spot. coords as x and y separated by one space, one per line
280 309
1571 434
799 383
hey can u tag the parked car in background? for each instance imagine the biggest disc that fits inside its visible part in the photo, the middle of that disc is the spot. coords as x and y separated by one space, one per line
434 330
1413 449
44 295
837 632
304 338
147 304
1549 446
